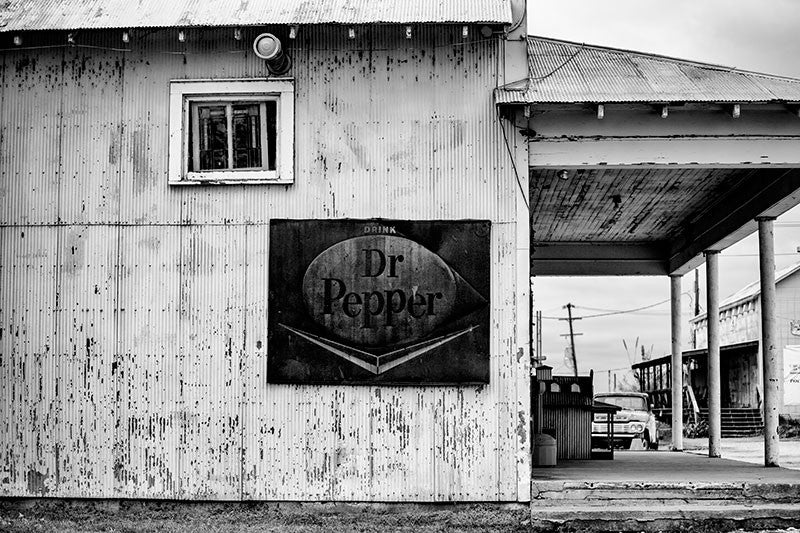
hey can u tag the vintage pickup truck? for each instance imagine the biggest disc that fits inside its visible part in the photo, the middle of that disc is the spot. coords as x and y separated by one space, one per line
634 426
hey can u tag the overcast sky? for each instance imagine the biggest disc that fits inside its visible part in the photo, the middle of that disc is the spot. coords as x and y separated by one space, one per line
752 35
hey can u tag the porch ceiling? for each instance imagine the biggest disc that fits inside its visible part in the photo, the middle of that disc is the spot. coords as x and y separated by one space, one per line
647 220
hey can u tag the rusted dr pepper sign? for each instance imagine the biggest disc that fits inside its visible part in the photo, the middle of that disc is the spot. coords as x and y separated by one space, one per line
378 301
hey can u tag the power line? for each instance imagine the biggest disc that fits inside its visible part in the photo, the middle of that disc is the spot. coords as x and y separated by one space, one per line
756 255
611 312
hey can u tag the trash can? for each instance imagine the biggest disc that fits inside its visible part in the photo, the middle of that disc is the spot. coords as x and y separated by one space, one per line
544 450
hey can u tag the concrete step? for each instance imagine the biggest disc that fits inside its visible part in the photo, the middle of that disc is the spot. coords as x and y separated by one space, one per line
719 515
626 492
660 506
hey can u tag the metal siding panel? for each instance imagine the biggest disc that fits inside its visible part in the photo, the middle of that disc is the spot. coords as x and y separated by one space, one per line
81 14
85 345
211 339
372 160
28 385
92 102
401 426
202 284
150 411
504 350
467 451
31 126
145 196
352 453
5 159
262 469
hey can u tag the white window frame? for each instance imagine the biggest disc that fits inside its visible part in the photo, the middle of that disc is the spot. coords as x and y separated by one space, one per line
183 92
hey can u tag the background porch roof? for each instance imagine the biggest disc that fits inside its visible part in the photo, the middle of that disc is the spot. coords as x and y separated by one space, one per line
568 72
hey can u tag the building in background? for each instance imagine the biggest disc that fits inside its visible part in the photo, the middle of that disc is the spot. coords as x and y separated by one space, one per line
741 372
740 331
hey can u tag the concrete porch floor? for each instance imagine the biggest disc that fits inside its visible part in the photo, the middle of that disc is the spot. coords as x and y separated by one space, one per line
663 491
664 466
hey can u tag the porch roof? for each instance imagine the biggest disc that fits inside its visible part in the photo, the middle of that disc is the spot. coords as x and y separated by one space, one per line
567 72
639 163
740 347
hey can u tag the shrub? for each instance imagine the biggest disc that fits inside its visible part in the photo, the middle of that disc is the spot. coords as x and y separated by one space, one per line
789 428
696 430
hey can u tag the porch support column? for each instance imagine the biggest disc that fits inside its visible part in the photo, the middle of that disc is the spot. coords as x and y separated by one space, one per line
714 389
677 364
772 357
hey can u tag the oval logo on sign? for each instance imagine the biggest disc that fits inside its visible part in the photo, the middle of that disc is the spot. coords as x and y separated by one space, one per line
376 290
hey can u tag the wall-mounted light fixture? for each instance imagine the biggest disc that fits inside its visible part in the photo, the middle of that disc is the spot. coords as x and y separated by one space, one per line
268 47
464 32
601 111
182 36
563 175
292 32
237 34
126 37
408 32
17 40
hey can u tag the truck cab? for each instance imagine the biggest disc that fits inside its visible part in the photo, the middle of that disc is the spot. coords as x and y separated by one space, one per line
634 426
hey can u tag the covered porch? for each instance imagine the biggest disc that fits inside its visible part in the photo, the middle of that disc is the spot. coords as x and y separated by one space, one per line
651 491
648 165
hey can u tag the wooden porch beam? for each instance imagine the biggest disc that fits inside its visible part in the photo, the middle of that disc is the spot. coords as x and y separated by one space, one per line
767 192
598 259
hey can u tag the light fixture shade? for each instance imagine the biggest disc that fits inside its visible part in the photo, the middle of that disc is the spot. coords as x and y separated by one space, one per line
267 46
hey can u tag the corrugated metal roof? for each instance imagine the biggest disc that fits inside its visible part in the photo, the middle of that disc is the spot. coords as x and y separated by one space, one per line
21 15
566 72
750 291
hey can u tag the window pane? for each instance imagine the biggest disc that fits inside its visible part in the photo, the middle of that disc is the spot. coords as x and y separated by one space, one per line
272 115
213 137
246 136
253 130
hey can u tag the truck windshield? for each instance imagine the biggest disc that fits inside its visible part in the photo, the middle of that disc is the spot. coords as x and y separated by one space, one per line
626 402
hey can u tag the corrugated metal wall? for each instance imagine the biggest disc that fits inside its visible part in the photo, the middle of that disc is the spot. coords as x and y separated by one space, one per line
133 314
572 428
567 415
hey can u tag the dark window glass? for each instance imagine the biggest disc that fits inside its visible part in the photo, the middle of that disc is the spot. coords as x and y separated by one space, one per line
213 138
246 136
272 115
252 136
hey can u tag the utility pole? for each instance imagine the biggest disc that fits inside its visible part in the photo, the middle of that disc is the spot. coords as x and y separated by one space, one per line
572 335
539 355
